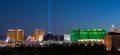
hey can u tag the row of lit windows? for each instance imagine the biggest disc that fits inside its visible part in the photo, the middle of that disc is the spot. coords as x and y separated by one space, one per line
88 32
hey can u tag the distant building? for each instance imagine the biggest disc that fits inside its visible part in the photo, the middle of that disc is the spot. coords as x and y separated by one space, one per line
15 35
115 39
37 33
66 37
113 29
108 41
31 38
40 37
58 37
50 37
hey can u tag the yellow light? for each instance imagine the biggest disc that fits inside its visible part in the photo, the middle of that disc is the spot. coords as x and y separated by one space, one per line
88 29
99 29
94 29
76 28
81 30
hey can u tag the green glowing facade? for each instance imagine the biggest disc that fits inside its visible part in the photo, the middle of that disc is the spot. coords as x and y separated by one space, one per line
77 34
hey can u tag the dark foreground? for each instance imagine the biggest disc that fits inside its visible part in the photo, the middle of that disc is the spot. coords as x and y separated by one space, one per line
57 49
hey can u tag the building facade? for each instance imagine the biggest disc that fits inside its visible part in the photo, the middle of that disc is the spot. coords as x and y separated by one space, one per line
108 41
31 38
112 39
82 34
41 38
15 35
37 33
66 37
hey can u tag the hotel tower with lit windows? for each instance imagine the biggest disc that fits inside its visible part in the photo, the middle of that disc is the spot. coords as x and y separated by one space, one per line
37 33
15 35
87 34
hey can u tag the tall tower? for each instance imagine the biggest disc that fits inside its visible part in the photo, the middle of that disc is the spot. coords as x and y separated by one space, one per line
15 35
37 33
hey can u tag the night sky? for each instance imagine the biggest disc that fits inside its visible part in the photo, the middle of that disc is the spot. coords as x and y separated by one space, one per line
65 15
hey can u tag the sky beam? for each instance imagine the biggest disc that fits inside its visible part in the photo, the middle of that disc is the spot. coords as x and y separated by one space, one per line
49 23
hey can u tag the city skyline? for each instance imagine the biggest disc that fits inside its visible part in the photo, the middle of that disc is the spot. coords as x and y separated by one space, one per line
65 15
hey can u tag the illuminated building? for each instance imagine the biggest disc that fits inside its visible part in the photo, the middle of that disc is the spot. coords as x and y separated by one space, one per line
108 41
40 37
37 33
115 39
30 38
15 34
66 37
84 34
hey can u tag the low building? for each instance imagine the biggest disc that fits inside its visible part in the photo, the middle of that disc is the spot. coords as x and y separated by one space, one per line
66 37
50 37
31 38
58 37
112 39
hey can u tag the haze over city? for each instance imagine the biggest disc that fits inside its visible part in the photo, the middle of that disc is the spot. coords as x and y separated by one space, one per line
65 15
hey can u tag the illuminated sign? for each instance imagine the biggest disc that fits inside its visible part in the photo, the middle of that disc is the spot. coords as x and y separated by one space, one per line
30 38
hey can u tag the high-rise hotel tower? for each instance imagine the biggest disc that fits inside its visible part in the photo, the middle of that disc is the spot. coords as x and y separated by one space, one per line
15 35
37 33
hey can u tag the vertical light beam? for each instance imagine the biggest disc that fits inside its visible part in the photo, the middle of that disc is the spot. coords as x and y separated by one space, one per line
49 23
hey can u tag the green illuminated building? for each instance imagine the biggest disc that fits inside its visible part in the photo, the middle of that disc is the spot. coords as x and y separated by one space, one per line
77 34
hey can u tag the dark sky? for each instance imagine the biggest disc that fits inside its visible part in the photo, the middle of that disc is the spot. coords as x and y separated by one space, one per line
66 15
